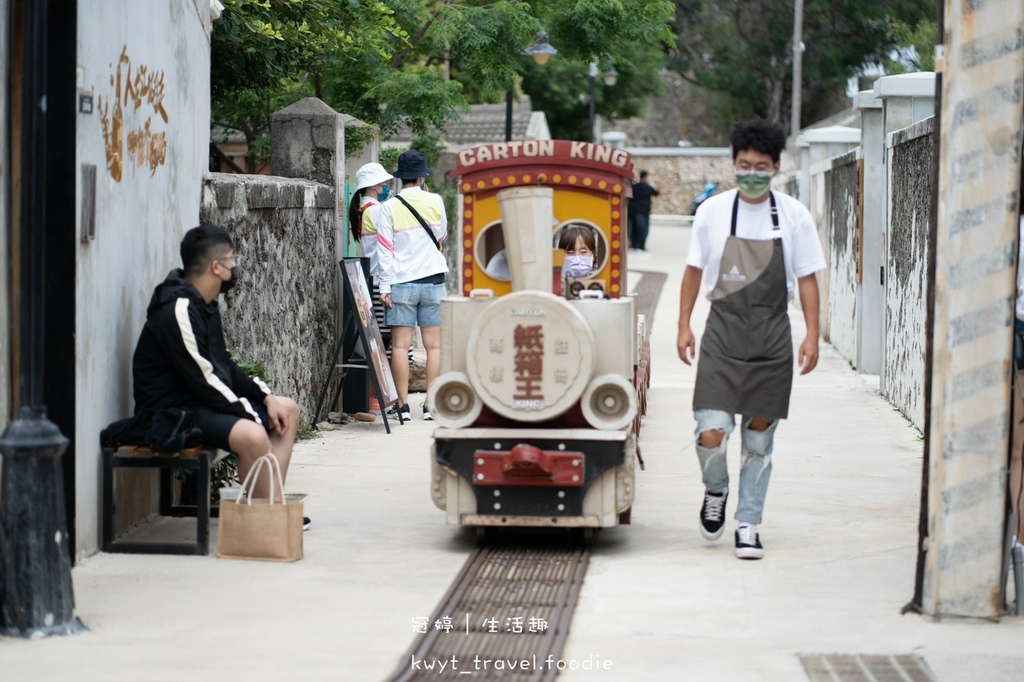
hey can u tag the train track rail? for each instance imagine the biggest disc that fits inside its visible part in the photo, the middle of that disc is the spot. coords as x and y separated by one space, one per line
507 614
648 290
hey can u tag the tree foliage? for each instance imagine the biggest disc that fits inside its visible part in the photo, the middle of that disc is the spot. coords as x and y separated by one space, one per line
421 62
742 50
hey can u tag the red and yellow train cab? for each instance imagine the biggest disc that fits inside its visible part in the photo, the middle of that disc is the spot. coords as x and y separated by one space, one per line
592 185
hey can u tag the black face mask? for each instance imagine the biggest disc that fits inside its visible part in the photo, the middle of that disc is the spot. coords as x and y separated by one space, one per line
228 284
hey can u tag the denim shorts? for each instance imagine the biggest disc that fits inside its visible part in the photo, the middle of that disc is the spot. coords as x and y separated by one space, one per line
414 304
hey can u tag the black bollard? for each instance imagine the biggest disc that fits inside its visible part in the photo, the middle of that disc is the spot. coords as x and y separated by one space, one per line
36 598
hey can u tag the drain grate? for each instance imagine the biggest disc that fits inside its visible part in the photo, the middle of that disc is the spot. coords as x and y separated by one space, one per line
509 610
866 668
648 290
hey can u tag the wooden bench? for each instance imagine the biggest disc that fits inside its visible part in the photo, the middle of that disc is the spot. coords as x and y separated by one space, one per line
195 459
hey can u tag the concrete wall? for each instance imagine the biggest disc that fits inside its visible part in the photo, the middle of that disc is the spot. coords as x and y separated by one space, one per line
814 198
5 229
841 197
281 312
909 160
679 174
148 66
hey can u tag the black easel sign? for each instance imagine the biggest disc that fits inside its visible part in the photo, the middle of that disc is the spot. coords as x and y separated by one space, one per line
378 359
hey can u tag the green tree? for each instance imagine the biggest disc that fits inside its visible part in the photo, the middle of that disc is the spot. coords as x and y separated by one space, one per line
263 50
421 63
742 51
914 48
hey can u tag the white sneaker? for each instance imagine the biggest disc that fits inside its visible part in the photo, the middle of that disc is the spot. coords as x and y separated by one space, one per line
748 543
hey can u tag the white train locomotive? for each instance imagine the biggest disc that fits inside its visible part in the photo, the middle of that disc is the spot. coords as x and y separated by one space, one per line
537 402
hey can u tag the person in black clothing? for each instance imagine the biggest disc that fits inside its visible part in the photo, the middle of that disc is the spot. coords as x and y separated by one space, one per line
181 361
640 213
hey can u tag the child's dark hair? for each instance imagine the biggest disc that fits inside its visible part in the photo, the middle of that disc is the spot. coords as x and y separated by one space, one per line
203 244
570 233
761 136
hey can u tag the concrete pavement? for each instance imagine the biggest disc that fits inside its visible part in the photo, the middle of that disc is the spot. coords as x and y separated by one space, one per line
659 602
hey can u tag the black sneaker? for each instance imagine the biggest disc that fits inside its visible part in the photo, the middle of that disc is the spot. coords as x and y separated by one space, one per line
712 514
748 543
426 412
306 523
406 412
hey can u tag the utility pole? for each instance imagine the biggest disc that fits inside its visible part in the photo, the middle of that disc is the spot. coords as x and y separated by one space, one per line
798 61
36 598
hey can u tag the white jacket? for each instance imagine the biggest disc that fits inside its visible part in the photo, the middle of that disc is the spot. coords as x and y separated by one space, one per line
405 251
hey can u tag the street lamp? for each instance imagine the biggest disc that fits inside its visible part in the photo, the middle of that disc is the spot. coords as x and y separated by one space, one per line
611 76
36 596
541 50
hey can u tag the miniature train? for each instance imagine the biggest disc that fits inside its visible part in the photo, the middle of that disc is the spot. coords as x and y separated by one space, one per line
539 399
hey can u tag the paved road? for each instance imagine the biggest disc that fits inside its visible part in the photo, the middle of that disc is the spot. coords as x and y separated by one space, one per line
659 603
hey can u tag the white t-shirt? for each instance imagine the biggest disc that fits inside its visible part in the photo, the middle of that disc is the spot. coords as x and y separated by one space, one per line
368 232
801 247
497 267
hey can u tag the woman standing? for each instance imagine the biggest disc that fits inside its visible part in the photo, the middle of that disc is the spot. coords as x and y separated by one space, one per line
363 216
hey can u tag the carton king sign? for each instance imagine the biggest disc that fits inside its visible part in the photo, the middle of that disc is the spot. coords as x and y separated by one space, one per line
544 152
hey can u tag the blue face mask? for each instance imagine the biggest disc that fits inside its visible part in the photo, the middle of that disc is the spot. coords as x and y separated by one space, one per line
384 193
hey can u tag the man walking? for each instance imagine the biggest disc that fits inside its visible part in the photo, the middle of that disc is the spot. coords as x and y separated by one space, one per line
757 247
639 213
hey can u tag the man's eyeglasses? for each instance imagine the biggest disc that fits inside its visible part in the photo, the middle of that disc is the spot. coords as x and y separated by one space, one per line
235 260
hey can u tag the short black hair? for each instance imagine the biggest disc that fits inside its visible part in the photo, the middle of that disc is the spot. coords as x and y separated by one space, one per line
643 174
201 245
761 136
573 231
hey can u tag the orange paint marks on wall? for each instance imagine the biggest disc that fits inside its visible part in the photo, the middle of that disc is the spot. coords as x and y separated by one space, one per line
134 87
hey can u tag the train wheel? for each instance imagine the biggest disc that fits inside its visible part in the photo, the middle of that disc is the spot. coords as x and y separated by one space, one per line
482 535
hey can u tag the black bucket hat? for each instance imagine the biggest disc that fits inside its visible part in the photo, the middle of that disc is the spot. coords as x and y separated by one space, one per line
412 165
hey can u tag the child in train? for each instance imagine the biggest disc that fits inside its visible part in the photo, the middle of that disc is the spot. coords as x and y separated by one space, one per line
580 247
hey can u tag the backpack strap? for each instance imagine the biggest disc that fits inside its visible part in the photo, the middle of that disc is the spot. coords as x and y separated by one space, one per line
430 233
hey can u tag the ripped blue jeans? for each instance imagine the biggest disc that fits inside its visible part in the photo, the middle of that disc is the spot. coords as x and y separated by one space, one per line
755 461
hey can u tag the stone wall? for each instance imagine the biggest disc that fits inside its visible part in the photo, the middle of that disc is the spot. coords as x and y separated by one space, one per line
281 312
684 112
909 159
679 174
841 197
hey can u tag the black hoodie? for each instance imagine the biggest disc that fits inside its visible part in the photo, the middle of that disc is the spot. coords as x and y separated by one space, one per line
181 360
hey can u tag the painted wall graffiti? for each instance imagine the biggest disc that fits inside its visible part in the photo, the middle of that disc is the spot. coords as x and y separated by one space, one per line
133 88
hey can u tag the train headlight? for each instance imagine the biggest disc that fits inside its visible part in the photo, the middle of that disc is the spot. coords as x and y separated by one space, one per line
609 403
454 402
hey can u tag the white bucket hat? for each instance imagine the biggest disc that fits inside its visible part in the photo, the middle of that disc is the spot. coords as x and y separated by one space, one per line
371 174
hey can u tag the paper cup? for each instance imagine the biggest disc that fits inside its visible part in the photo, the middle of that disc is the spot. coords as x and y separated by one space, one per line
231 493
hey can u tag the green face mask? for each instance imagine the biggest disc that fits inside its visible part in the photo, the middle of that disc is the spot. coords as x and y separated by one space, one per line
753 184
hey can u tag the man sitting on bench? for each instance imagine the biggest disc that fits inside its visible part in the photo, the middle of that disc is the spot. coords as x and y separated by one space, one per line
181 361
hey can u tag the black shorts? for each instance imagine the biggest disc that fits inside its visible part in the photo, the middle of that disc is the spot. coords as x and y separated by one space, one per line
216 426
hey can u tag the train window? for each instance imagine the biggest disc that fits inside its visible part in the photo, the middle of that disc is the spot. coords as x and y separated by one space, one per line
599 240
490 252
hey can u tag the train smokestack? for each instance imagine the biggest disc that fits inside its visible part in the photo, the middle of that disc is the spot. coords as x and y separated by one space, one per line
526 222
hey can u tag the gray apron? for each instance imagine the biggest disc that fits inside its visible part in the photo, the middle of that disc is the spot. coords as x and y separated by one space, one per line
746 353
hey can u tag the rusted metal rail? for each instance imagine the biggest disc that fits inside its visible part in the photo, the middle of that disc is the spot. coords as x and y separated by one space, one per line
507 615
